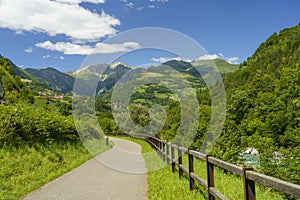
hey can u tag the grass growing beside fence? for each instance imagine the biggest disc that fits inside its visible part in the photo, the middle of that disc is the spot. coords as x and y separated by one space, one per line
163 184
26 168
229 184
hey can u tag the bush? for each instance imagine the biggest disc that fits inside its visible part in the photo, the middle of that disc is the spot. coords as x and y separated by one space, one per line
23 123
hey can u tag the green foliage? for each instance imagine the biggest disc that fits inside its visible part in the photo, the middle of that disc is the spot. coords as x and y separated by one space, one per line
108 126
23 123
61 107
139 114
12 89
172 123
263 107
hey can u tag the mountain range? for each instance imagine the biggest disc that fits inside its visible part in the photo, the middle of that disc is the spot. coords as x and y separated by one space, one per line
50 78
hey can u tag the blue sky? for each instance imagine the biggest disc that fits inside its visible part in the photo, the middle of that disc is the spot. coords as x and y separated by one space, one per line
62 33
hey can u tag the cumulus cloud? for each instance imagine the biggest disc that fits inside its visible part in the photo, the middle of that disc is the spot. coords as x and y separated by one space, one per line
28 50
78 49
65 17
79 1
61 57
209 57
164 59
231 60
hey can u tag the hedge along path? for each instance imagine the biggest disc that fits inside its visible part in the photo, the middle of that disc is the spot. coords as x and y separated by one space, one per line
108 179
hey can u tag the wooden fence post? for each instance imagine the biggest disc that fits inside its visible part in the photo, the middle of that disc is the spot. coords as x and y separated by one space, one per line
160 148
210 177
106 141
168 152
180 162
173 158
249 186
191 170
156 143
164 150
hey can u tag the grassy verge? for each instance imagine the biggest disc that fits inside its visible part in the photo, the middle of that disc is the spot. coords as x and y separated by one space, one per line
163 184
26 168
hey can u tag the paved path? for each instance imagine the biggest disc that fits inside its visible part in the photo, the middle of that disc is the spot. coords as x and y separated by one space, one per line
104 177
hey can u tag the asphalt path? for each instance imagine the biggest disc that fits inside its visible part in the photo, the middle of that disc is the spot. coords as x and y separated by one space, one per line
118 173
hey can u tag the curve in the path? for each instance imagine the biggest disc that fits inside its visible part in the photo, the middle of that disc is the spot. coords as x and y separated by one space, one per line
120 174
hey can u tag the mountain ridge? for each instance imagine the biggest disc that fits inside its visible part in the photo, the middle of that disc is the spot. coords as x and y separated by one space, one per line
108 74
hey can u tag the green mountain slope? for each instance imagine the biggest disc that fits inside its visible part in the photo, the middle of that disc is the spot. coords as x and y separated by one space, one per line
39 79
264 106
51 78
12 89
108 75
17 70
279 51
223 66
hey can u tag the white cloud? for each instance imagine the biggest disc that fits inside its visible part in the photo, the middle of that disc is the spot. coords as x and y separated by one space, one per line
46 56
231 60
164 59
159 1
209 57
54 18
140 8
19 33
77 49
129 5
79 1
61 57
28 50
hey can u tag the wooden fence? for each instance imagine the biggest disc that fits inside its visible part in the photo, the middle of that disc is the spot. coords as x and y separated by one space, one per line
167 152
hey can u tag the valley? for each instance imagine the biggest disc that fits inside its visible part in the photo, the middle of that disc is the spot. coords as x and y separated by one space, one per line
262 107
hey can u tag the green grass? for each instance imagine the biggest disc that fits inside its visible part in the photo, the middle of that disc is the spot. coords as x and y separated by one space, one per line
229 184
43 102
26 168
163 184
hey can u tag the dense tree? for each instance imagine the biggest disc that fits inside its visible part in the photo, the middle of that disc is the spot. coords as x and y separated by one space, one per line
263 106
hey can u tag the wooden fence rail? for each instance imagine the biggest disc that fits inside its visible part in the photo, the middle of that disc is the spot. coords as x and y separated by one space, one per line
167 152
